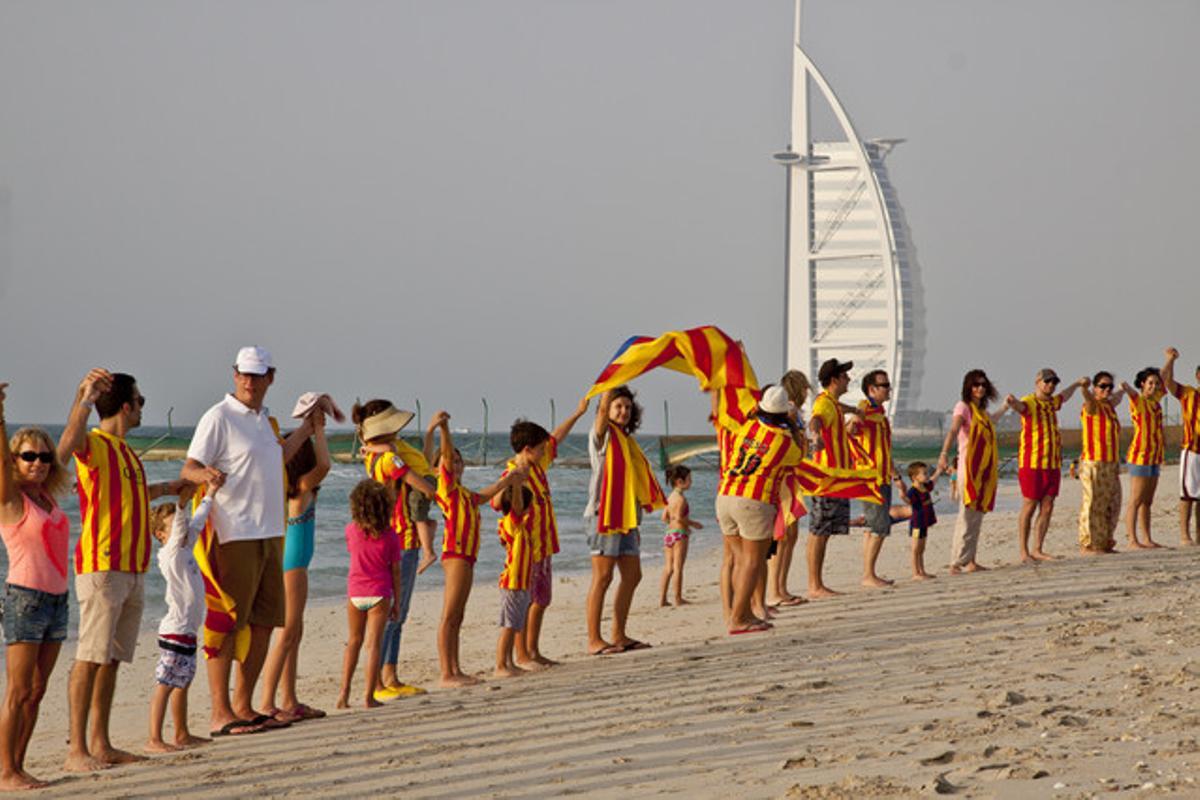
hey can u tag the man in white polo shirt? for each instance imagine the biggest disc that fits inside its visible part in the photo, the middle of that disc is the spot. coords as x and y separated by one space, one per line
236 448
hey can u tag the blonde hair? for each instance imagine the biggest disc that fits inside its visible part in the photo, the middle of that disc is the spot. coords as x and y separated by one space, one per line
56 480
796 384
160 516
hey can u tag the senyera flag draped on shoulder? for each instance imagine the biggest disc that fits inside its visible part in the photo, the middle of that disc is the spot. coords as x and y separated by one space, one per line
720 365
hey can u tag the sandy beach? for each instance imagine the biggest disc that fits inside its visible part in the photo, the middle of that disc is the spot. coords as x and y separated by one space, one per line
1068 679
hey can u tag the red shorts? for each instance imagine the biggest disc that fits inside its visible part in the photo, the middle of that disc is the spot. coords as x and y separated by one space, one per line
449 554
1038 484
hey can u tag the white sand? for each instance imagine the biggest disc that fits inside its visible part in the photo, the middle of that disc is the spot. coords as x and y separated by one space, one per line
1081 672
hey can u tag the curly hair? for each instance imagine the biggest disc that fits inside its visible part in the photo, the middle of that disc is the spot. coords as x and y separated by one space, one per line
635 410
371 507
1144 375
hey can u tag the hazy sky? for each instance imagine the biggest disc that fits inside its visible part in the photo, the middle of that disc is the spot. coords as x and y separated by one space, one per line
452 200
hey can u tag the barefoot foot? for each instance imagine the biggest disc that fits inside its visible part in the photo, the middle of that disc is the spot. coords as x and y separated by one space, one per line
876 582
159 746
114 757
821 592
508 672
427 560
190 741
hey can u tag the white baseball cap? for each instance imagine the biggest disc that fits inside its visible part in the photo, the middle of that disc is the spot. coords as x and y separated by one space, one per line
775 401
253 360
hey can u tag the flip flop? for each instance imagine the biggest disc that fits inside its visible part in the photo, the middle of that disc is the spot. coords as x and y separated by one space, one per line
239 727
610 650
634 644
792 601
269 723
757 627
304 712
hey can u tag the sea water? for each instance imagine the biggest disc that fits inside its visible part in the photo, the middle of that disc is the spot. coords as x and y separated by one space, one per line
568 484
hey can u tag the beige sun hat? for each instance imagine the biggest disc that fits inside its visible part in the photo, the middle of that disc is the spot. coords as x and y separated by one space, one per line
388 422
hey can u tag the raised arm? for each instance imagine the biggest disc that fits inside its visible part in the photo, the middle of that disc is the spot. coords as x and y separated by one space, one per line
295 439
312 479
10 496
1168 371
1129 391
600 426
567 424
1011 401
419 483
1069 391
441 420
427 448
95 383
1090 403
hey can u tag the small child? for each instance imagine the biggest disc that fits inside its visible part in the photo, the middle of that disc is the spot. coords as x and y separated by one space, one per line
923 515
460 545
373 584
515 580
179 629
679 526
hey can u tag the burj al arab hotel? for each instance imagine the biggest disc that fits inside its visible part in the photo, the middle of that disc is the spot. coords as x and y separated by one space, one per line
852 287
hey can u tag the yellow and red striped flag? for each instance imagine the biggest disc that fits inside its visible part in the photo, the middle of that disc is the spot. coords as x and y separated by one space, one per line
707 353
626 484
221 619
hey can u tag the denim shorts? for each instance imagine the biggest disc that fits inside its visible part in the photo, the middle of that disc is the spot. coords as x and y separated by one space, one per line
33 616
1144 470
615 545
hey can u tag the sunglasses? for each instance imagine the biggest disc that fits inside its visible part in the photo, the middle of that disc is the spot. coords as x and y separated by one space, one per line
979 385
883 386
1051 381
139 401
1104 386
30 456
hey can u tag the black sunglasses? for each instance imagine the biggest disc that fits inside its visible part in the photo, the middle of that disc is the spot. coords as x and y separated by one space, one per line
883 386
1052 381
139 401
980 385
30 456
1104 386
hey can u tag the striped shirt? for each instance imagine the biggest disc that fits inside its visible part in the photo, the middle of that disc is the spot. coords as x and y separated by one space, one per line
1147 446
1101 433
1189 402
836 450
390 469
518 541
543 528
757 453
875 438
1041 442
114 504
460 509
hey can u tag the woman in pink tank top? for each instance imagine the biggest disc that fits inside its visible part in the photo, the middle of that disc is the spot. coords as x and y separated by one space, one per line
34 530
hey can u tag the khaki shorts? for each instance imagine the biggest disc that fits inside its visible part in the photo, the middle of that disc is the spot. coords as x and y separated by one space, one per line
251 572
110 615
750 519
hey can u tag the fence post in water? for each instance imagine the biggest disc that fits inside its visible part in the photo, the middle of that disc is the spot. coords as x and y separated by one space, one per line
553 420
420 427
666 419
485 430
170 428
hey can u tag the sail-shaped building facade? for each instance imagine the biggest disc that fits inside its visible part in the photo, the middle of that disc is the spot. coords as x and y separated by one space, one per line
853 287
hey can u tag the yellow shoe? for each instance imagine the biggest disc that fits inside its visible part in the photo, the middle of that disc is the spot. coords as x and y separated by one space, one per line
406 690
386 693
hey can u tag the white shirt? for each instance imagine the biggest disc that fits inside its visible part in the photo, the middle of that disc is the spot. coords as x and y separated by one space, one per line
240 441
185 584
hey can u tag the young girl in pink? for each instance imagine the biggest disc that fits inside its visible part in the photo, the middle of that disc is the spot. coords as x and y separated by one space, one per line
372 586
